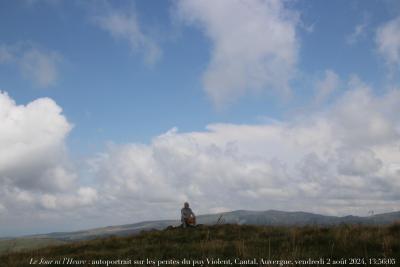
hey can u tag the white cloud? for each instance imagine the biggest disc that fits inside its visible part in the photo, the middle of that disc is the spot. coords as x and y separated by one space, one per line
388 41
325 87
371 121
333 157
82 197
32 140
254 45
124 25
37 65
35 172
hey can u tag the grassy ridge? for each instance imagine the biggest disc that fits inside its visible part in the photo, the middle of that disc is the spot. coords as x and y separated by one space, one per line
19 244
230 242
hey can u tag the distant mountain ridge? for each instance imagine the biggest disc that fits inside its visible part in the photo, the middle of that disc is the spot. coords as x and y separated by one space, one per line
269 217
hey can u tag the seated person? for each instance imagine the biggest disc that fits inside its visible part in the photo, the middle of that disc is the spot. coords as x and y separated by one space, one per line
187 216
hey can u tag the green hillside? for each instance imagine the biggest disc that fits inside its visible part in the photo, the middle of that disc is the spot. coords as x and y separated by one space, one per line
261 218
18 244
222 245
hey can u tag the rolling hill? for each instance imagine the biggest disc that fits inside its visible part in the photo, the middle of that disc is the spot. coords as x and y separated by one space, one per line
240 217
227 245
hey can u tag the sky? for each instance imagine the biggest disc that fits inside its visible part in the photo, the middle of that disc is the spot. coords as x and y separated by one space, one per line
115 112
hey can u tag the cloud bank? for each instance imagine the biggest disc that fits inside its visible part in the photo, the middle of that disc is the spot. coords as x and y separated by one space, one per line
345 158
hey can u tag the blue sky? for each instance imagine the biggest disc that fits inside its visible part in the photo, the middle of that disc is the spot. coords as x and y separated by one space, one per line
98 71
141 82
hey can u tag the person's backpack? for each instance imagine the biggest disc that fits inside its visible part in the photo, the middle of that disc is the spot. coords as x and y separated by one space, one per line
191 220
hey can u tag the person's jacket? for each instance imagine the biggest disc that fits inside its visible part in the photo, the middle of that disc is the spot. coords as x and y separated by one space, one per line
186 213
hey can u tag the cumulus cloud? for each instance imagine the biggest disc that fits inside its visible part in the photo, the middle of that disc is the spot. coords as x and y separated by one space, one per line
37 65
335 157
326 86
254 45
125 25
35 172
388 41
32 138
